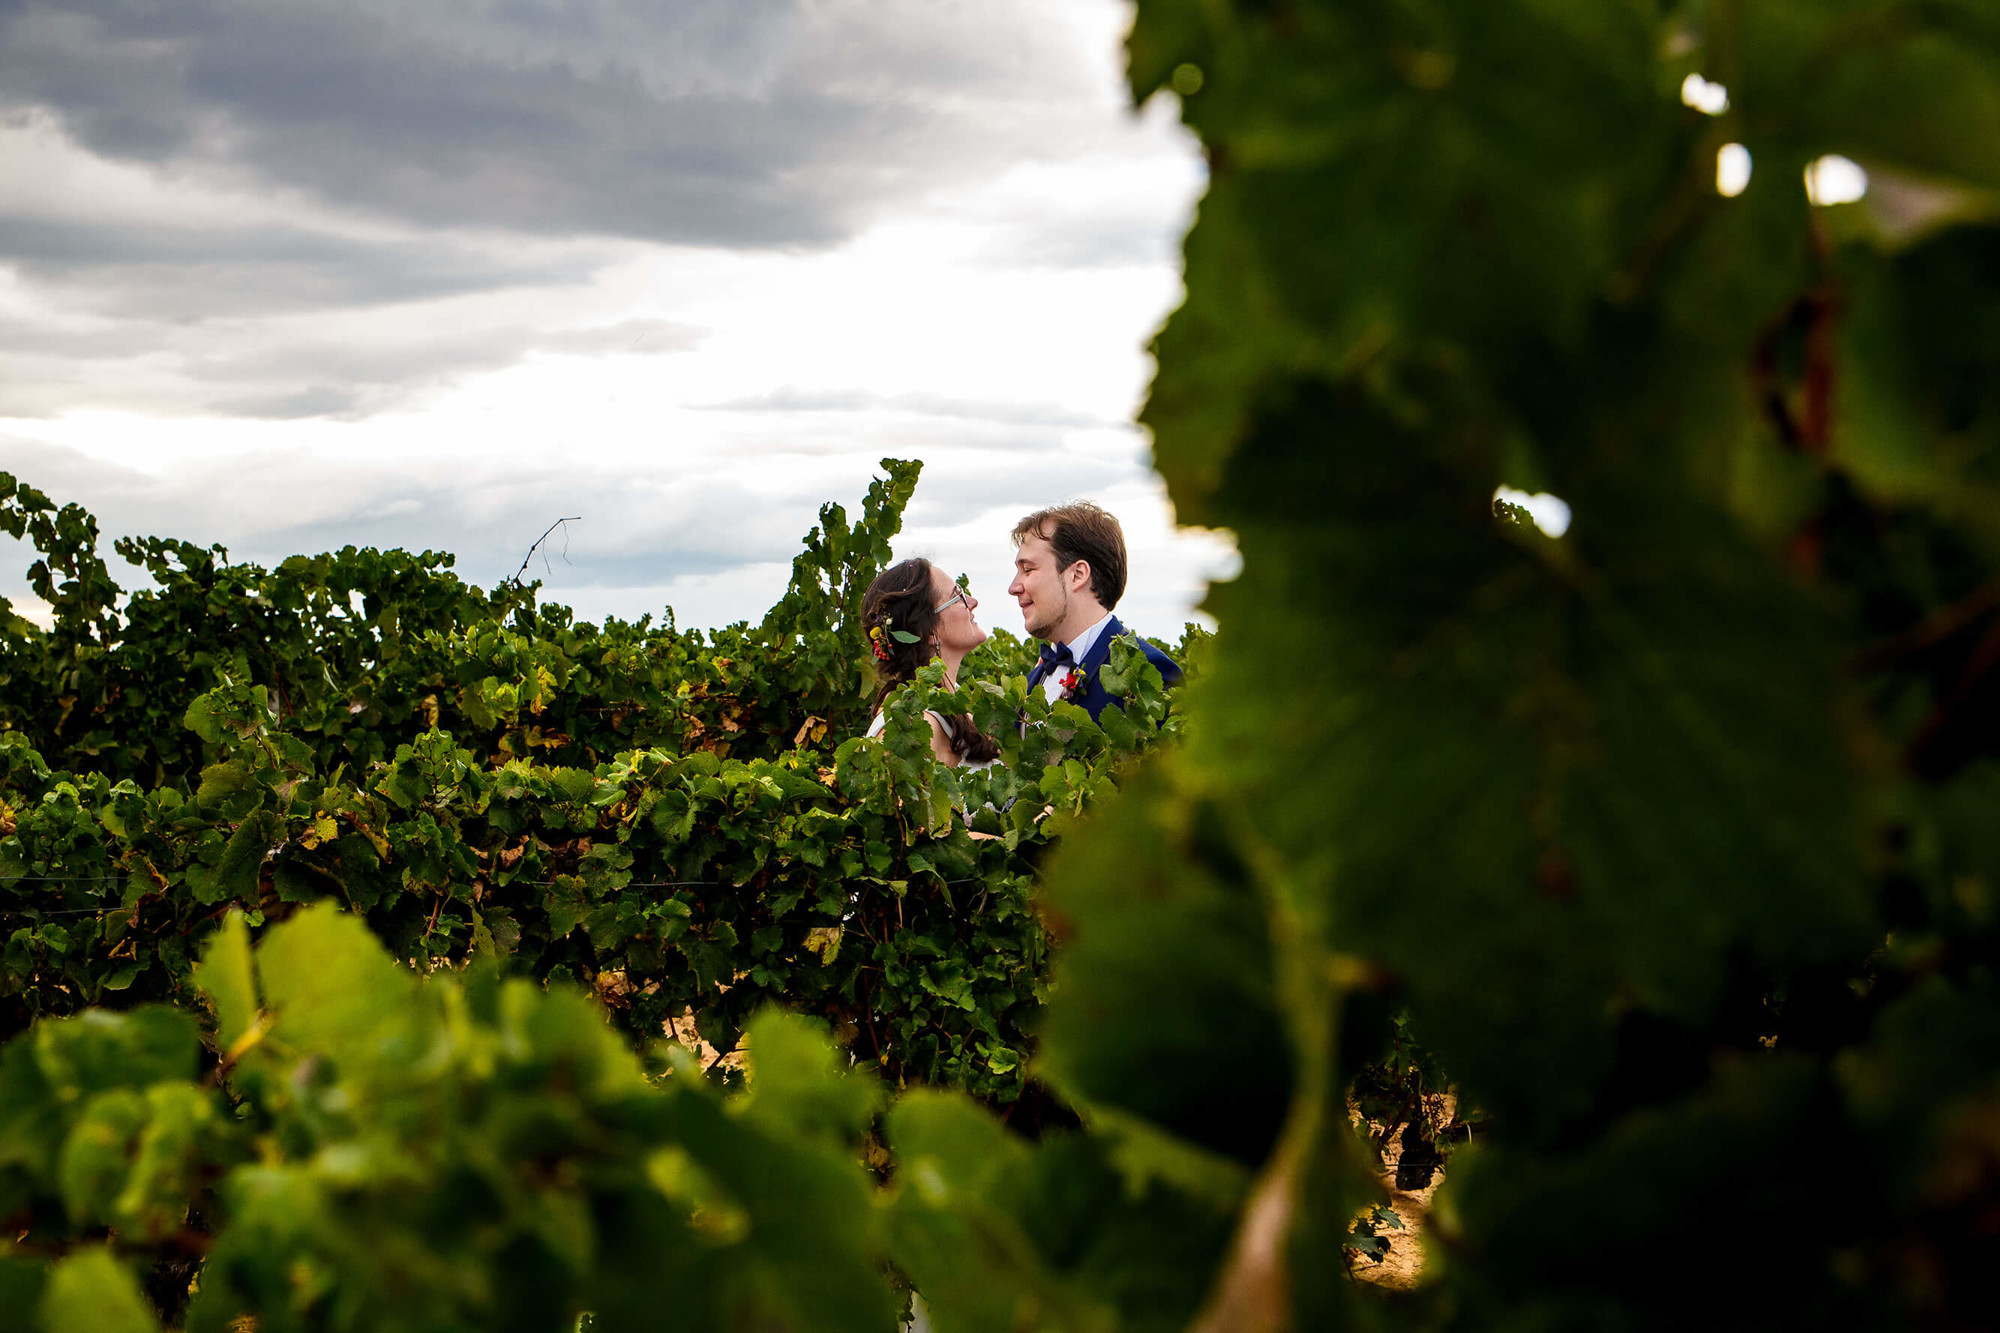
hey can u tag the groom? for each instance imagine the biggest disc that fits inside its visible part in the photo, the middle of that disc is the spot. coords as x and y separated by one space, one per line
1069 571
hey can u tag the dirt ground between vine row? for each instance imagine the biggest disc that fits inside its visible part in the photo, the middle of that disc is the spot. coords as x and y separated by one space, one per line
682 1030
1401 1267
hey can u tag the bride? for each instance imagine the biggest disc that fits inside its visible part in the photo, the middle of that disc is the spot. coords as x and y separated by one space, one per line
912 613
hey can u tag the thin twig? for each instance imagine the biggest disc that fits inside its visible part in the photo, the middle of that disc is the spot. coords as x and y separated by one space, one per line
516 580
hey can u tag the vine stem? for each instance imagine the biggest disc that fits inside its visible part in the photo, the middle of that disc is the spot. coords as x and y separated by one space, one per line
516 580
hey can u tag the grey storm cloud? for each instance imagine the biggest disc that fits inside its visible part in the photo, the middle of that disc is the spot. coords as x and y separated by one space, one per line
729 122
160 268
642 533
341 208
792 399
665 521
363 366
395 155
1002 495
241 373
264 507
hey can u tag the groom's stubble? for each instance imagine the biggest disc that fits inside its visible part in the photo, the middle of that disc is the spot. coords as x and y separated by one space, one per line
1051 619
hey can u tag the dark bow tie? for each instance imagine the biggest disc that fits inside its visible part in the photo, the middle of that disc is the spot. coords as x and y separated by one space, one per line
1055 655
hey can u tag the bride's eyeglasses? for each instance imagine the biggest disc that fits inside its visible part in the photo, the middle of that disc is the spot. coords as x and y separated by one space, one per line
959 595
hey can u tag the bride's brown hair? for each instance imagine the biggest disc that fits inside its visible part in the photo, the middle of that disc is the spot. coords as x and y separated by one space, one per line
899 601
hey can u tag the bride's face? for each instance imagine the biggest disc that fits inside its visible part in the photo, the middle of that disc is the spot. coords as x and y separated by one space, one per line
957 627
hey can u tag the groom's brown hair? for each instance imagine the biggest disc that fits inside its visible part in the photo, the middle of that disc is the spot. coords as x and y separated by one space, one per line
1077 531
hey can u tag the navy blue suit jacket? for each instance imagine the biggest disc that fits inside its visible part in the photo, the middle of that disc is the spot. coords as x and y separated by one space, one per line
1094 697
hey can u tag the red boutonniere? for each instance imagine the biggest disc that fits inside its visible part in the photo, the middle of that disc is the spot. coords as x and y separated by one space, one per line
1072 682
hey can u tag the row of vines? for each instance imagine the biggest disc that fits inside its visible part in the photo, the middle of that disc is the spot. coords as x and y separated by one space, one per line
685 823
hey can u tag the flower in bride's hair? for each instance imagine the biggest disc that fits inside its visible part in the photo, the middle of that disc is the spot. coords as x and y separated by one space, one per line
881 633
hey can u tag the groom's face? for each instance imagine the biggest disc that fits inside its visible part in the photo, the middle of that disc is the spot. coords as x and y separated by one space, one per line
1039 587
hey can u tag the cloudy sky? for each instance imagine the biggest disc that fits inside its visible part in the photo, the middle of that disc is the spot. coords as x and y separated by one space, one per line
286 276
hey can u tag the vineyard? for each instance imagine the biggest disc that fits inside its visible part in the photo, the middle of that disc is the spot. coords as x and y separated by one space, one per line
683 823
362 927
366 763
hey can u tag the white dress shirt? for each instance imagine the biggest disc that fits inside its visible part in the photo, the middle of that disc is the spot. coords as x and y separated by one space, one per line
1081 644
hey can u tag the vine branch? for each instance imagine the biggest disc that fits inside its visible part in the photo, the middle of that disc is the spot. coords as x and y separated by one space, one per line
516 579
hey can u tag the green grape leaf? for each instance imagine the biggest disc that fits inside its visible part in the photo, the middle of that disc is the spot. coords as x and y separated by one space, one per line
330 986
91 1292
227 976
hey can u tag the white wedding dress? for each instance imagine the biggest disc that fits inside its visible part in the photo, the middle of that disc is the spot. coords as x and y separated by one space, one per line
881 723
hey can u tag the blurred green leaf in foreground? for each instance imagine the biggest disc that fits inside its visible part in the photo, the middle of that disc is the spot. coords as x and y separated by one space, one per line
1670 835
